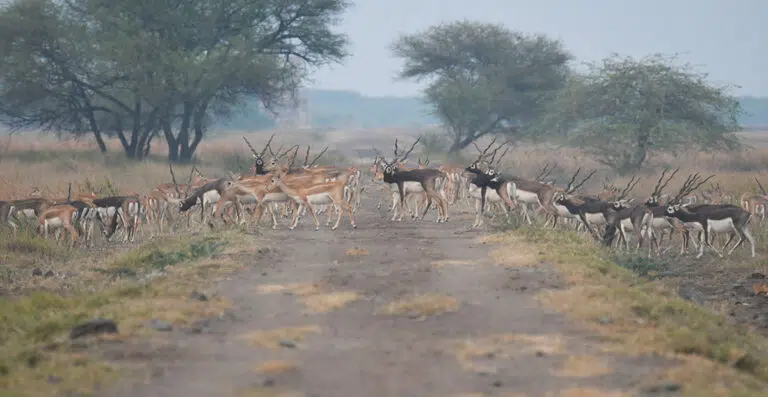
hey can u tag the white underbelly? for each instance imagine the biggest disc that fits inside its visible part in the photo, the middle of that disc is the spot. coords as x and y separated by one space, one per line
320 198
211 196
595 219
106 211
408 187
661 223
275 197
721 225
695 226
28 212
527 197
54 222
626 225
490 194
248 199
563 211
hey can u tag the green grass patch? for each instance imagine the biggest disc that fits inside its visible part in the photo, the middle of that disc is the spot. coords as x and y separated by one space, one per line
617 296
163 253
36 356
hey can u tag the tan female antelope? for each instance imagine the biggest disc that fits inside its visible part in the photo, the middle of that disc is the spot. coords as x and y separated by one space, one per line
59 216
324 193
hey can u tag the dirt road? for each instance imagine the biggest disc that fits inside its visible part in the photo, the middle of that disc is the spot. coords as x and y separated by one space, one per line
492 339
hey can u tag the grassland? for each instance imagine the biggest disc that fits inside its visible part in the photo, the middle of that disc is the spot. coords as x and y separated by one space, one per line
636 314
45 289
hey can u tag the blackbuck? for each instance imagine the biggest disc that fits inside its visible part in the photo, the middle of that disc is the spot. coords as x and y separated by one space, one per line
412 191
526 191
644 218
710 219
686 231
714 194
312 165
601 212
427 178
717 218
258 157
30 208
570 188
83 219
756 204
123 210
6 210
328 193
59 216
219 186
489 185
87 214
455 186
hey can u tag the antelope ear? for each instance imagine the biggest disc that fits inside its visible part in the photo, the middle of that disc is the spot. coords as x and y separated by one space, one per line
684 205
630 201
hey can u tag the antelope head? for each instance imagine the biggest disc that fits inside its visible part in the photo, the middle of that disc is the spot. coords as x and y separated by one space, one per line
391 167
658 190
258 157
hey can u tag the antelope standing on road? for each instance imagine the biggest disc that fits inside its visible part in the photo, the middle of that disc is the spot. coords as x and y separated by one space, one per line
428 178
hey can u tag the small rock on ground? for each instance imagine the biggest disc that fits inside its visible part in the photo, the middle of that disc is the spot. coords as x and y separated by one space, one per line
94 327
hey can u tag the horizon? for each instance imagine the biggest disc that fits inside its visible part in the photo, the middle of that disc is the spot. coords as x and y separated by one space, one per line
722 39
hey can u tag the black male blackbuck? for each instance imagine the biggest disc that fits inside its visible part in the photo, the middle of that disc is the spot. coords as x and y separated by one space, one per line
602 210
489 185
710 218
258 157
426 177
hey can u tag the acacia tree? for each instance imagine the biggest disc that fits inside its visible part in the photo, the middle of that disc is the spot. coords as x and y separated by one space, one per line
140 68
483 78
624 109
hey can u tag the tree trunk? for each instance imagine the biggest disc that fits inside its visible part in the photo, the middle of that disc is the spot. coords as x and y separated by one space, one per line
637 158
460 143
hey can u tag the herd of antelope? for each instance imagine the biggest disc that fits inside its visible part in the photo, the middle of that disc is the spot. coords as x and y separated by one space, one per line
281 189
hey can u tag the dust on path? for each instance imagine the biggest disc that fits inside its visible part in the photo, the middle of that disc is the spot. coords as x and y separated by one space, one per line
498 341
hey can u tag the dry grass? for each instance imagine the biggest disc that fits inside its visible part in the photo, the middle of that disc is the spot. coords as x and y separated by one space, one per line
52 163
114 285
583 367
313 295
275 367
587 392
268 392
299 289
471 353
355 251
271 338
705 378
324 303
639 316
452 262
422 306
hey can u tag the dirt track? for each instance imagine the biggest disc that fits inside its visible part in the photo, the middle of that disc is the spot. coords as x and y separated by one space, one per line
360 351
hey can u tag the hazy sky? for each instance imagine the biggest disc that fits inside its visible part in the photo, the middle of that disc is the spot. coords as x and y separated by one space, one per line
726 38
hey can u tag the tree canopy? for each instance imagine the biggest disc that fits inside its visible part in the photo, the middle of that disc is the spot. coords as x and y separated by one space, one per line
140 69
483 78
624 108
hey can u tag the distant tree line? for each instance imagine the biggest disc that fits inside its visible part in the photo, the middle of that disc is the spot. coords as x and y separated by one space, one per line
487 79
156 69
144 70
